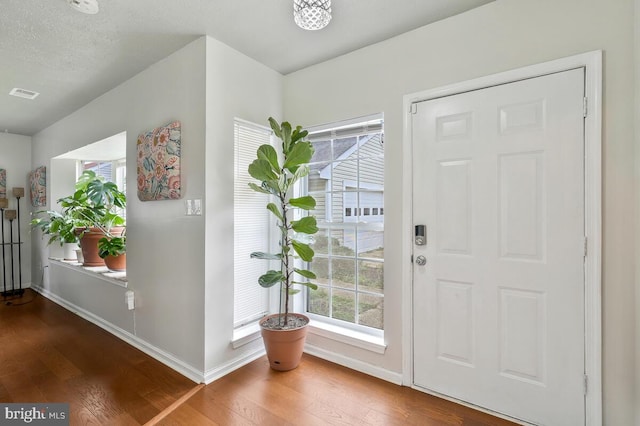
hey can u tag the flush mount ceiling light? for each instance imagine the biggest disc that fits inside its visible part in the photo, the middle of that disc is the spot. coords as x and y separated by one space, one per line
312 14
89 7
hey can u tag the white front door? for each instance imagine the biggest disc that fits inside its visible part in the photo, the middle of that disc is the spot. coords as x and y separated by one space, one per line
498 308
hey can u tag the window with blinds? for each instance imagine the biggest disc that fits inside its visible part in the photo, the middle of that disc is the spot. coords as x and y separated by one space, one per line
251 227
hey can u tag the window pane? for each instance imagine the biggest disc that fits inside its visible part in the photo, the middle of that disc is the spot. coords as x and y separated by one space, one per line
370 311
320 243
319 301
322 151
343 273
320 267
344 305
344 148
371 243
344 176
343 242
370 276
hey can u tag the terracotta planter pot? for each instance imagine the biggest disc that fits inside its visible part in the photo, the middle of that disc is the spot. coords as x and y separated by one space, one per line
116 263
89 245
284 347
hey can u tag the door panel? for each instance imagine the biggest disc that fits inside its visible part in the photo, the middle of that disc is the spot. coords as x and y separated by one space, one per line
498 179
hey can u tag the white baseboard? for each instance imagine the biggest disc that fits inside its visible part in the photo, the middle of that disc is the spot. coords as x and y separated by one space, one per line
218 372
354 364
164 357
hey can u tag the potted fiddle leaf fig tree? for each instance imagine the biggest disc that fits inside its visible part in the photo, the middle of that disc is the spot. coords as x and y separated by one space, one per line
284 333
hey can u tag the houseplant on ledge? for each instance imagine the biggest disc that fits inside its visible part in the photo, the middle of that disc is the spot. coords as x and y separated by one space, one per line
92 207
114 251
59 227
284 333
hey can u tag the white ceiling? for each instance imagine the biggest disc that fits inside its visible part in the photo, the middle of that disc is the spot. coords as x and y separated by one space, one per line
72 58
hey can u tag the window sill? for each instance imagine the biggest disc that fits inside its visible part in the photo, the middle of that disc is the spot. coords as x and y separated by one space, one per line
350 337
245 334
101 272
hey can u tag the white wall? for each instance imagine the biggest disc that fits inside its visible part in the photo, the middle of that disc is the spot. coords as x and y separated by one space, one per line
180 267
496 37
15 158
165 248
237 86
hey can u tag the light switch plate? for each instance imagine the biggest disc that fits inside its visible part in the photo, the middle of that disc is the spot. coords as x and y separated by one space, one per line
193 207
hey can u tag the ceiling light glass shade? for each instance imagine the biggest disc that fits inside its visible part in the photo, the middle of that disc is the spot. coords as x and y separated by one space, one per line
312 14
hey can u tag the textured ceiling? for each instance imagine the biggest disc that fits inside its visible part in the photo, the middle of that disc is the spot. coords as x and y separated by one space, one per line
72 58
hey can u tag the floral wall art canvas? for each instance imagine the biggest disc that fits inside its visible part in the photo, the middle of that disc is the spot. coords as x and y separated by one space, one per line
158 163
38 186
3 183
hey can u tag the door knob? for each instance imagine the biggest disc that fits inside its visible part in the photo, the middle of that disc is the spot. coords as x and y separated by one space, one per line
421 260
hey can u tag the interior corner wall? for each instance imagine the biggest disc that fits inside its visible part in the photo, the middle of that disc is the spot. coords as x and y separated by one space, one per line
16 160
499 36
237 87
164 247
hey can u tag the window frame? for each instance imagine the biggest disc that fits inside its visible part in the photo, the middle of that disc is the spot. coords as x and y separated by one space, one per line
325 324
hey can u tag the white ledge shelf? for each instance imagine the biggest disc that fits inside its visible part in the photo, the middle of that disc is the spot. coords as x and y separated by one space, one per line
102 272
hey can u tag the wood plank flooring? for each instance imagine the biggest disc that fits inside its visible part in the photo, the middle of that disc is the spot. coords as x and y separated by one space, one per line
317 393
48 354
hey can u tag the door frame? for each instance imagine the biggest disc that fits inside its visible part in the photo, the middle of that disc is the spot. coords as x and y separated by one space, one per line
592 63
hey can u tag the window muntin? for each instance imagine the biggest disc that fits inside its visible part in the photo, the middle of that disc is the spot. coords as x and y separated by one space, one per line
347 179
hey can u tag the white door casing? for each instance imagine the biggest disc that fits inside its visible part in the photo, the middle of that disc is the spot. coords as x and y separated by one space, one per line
499 308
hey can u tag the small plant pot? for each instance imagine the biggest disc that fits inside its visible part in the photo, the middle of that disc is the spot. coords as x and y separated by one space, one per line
70 251
89 245
116 263
284 346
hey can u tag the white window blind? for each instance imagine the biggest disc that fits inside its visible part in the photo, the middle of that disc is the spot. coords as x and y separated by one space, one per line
251 227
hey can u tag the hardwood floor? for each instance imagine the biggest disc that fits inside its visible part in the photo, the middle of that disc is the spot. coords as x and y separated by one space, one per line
317 393
48 354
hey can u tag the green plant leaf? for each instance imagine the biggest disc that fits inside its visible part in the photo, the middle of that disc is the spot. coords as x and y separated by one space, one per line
286 137
304 251
312 286
298 134
261 170
293 291
305 273
276 212
300 172
306 225
300 153
275 127
266 256
267 152
271 278
306 203
258 188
